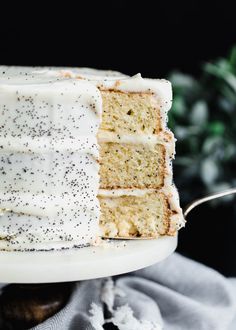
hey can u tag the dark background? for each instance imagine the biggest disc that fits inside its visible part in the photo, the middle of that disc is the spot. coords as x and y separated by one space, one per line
151 37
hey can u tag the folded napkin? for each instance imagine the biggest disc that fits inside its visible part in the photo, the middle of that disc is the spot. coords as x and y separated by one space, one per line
175 294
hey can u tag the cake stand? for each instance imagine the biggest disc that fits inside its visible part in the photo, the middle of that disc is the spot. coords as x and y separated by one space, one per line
44 272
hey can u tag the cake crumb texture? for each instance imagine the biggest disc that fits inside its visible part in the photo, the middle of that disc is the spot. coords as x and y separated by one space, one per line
131 165
127 216
134 113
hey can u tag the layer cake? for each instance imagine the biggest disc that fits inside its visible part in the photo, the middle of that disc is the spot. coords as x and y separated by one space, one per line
84 154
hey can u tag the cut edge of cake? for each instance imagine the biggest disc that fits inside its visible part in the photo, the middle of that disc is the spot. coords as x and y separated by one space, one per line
140 212
123 145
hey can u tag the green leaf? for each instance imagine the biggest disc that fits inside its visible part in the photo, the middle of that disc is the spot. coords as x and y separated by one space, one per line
222 70
199 113
211 143
183 81
181 132
209 171
216 128
204 121
179 107
232 59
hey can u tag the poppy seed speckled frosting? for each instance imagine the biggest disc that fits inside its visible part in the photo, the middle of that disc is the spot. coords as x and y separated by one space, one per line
48 160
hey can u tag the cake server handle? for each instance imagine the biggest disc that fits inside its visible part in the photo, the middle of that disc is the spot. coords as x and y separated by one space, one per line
205 199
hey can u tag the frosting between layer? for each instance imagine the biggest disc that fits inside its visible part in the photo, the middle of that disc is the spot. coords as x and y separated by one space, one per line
165 138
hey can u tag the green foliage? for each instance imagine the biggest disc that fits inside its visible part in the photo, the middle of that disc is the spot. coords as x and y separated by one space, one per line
203 118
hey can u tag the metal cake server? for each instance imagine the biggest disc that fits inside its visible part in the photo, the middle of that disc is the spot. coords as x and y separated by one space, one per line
187 209
207 198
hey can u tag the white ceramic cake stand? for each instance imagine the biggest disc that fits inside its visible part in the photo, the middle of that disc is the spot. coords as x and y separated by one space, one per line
113 258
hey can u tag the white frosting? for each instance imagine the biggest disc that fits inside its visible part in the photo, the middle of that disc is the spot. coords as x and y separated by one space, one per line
124 192
150 140
48 160
48 152
161 88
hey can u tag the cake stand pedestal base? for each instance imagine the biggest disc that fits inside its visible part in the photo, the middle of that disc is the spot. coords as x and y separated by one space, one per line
23 306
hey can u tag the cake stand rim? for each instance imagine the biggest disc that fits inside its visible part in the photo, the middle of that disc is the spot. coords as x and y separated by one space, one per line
118 257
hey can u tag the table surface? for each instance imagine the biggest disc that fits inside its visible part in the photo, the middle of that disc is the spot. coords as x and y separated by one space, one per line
111 258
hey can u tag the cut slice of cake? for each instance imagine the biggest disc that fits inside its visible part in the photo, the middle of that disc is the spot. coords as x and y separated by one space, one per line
84 154
139 213
137 195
